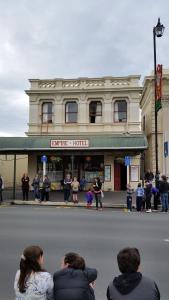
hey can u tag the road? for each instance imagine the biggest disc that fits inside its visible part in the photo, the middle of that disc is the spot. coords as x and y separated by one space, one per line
98 236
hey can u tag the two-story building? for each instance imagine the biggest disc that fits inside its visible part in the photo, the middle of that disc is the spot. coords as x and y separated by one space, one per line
86 127
147 104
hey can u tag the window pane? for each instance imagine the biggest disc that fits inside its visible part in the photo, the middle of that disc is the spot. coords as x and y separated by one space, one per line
122 106
71 107
120 111
71 118
49 107
47 112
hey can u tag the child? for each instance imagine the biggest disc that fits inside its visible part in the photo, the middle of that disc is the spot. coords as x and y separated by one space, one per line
139 197
89 198
129 197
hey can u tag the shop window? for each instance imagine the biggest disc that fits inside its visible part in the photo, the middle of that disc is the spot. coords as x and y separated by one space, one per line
95 112
120 111
47 112
71 111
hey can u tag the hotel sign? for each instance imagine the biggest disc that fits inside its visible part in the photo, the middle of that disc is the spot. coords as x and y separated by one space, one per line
69 143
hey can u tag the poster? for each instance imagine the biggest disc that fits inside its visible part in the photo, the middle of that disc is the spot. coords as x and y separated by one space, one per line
134 173
107 173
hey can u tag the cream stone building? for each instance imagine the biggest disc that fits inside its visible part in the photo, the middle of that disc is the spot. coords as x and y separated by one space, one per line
148 122
86 127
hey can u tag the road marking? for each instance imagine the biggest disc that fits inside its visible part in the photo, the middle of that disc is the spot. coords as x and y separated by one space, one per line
166 240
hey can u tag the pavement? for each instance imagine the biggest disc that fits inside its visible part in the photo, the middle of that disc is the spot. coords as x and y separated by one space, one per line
110 200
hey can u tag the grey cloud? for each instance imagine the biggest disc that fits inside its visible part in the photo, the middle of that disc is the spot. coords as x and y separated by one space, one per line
72 38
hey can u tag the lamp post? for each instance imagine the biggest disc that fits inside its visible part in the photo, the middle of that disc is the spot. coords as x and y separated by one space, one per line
157 32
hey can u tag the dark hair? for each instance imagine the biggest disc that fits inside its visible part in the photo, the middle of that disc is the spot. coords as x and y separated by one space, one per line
74 261
128 260
139 184
164 177
28 263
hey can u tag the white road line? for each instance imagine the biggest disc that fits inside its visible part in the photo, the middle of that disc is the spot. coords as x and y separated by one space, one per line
166 240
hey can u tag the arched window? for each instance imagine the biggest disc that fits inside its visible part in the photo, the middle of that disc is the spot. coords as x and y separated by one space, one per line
95 112
71 110
120 111
47 112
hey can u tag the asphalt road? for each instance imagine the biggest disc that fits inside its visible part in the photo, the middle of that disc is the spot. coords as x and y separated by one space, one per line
98 236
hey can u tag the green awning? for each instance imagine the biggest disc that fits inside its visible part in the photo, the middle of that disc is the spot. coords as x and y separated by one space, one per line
95 142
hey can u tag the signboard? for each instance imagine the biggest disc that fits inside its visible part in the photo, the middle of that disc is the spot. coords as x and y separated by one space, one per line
44 158
127 160
134 173
158 87
165 149
69 143
107 173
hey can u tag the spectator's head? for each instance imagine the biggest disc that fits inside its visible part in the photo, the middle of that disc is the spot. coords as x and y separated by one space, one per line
31 261
74 261
128 260
139 184
164 178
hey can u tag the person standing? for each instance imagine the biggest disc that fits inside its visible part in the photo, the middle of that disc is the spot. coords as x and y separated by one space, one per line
74 281
97 186
45 189
129 197
131 284
35 184
75 189
25 186
67 187
148 195
139 197
31 280
164 188
1 188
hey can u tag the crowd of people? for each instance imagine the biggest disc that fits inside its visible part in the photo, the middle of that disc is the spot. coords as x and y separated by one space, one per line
76 281
144 195
71 188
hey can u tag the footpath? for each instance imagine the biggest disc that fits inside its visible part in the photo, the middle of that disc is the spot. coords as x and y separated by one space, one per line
110 200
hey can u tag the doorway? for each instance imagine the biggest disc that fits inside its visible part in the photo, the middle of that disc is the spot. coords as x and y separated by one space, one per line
120 176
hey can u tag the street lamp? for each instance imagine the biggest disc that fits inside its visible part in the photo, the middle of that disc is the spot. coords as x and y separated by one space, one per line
157 32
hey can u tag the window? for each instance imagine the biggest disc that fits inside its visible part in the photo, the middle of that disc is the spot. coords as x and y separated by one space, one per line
120 111
71 111
95 112
47 112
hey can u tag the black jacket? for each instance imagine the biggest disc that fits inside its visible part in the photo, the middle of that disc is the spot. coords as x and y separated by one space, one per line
71 284
163 187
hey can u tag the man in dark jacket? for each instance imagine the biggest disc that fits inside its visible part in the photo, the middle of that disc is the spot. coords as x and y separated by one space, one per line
131 284
74 281
164 188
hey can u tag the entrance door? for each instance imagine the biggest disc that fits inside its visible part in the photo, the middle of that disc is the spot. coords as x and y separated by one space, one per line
117 176
120 176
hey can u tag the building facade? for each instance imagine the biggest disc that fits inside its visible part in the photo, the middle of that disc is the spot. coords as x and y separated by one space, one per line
147 105
86 127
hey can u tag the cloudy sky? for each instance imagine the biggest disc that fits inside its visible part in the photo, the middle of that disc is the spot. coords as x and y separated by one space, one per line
73 38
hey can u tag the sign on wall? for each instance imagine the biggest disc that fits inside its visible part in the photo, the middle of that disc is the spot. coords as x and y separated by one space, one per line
107 173
134 173
69 143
